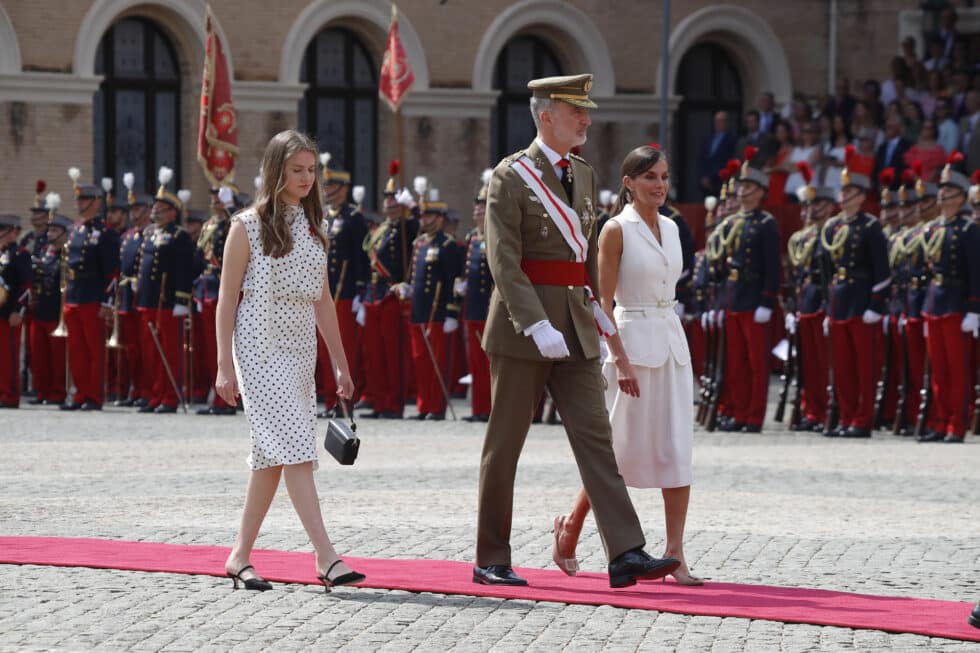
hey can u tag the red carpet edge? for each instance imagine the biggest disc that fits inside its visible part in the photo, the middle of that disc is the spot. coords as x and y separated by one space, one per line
894 614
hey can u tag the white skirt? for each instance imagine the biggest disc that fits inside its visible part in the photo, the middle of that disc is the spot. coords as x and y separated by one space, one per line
653 434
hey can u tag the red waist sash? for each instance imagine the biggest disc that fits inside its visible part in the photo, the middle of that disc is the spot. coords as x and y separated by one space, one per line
554 273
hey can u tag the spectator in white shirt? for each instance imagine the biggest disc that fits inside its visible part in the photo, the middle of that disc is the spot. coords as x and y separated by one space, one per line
949 133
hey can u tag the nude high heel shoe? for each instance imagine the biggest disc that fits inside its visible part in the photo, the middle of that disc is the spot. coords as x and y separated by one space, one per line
567 565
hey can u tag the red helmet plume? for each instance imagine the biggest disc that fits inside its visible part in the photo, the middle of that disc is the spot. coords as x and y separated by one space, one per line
917 169
750 152
955 157
725 174
908 177
733 166
40 186
849 153
887 177
393 166
975 177
805 171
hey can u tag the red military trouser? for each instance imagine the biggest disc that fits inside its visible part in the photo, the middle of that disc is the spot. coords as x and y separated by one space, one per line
951 362
47 361
696 343
136 355
855 370
915 341
813 357
326 383
207 355
747 366
479 366
382 349
168 331
428 390
86 350
9 363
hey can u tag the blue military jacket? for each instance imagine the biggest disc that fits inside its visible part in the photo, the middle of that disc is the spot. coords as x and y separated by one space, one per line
210 254
899 271
93 263
15 275
810 275
858 258
479 282
129 252
386 256
347 262
47 284
753 262
701 286
913 271
169 251
953 254
435 260
34 243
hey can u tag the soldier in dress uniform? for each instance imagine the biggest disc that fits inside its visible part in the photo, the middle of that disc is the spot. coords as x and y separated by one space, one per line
348 270
35 240
474 289
117 369
164 294
93 268
196 377
435 316
117 209
809 272
952 308
753 282
388 248
211 250
855 245
888 352
140 382
47 351
698 303
975 196
15 285
456 349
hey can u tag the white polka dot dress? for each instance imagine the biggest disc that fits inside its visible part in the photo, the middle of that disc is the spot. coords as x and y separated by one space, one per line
274 344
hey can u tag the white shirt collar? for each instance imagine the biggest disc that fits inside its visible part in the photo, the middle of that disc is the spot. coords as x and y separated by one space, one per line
552 156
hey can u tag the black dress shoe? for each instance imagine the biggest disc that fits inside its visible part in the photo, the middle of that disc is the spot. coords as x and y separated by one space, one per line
146 409
326 413
732 427
90 405
752 428
974 618
952 438
856 432
421 416
362 404
35 402
141 403
204 411
124 403
497 575
371 415
932 436
477 418
390 414
69 405
8 405
435 417
164 408
834 433
224 410
637 564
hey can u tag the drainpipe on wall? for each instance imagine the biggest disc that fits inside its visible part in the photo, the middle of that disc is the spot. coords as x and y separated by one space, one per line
832 48
664 74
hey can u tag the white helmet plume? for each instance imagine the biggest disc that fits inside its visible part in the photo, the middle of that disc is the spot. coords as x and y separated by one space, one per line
165 175
129 180
420 184
710 202
357 193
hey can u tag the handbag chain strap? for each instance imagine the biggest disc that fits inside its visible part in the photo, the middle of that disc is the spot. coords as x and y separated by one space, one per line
348 414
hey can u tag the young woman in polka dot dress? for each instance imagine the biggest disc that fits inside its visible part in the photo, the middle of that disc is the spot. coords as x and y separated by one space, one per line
275 261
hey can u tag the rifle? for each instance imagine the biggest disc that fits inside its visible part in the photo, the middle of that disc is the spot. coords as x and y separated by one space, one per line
925 400
786 377
901 400
796 414
432 354
975 423
881 390
156 342
707 373
718 378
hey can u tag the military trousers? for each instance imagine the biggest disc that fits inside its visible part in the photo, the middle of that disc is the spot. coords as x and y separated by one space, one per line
951 356
578 388
86 350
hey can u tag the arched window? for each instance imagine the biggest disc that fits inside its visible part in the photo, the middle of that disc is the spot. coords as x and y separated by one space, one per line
708 82
340 106
137 106
523 58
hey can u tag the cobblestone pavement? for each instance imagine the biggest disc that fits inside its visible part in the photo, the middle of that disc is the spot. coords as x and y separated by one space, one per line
886 516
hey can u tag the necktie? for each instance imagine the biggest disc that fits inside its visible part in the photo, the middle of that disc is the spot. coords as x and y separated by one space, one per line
566 177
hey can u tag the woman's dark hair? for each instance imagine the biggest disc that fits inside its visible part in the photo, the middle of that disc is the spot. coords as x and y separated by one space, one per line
635 164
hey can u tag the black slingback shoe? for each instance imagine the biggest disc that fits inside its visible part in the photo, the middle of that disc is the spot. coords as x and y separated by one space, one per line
257 584
344 579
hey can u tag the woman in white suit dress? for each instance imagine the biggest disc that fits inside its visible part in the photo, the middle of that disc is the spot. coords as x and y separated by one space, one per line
650 383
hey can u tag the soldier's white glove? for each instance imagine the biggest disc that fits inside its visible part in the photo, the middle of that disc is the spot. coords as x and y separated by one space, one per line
459 287
762 315
405 198
870 317
925 328
549 340
970 323
705 320
826 326
790 323
603 350
679 309
884 325
361 317
356 304
181 310
901 324
720 316
404 290
450 325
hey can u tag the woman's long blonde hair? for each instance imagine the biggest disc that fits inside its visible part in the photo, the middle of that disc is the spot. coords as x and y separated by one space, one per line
277 239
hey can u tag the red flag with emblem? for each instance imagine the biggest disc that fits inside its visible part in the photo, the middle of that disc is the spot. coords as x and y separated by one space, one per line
217 136
396 73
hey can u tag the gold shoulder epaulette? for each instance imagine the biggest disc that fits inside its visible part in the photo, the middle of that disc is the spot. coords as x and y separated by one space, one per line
579 158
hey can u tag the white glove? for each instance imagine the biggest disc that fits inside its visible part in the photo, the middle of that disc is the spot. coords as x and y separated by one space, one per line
459 287
679 309
405 198
181 310
884 325
361 317
450 325
790 323
549 340
404 290
720 316
970 323
762 315
603 350
925 328
705 320
356 304
901 325
870 317
826 326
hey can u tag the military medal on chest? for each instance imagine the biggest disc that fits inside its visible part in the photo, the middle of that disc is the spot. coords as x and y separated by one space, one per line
432 255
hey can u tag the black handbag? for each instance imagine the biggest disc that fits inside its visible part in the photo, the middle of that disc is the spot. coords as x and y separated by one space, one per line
341 440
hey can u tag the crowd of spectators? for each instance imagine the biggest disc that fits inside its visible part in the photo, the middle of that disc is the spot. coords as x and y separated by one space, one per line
927 107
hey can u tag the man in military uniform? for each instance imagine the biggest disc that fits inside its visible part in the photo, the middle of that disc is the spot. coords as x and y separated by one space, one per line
855 245
35 240
15 285
211 248
386 341
93 266
753 281
140 383
164 295
47 351
434 314
952 308
474 290
541 331
348 270
699 299
888 352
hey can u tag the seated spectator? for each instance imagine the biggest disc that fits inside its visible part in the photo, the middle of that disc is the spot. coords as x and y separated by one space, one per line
917 72
937 61
871 96
768 117
913 119
764 142
899 70
809 151
863 159
970 130
891 153
949 132
799 117
961 84
715 151
928 152
842 103
833 153
864 121
932 93
779 168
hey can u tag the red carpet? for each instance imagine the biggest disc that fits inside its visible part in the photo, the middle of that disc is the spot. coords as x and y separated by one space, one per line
792 605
